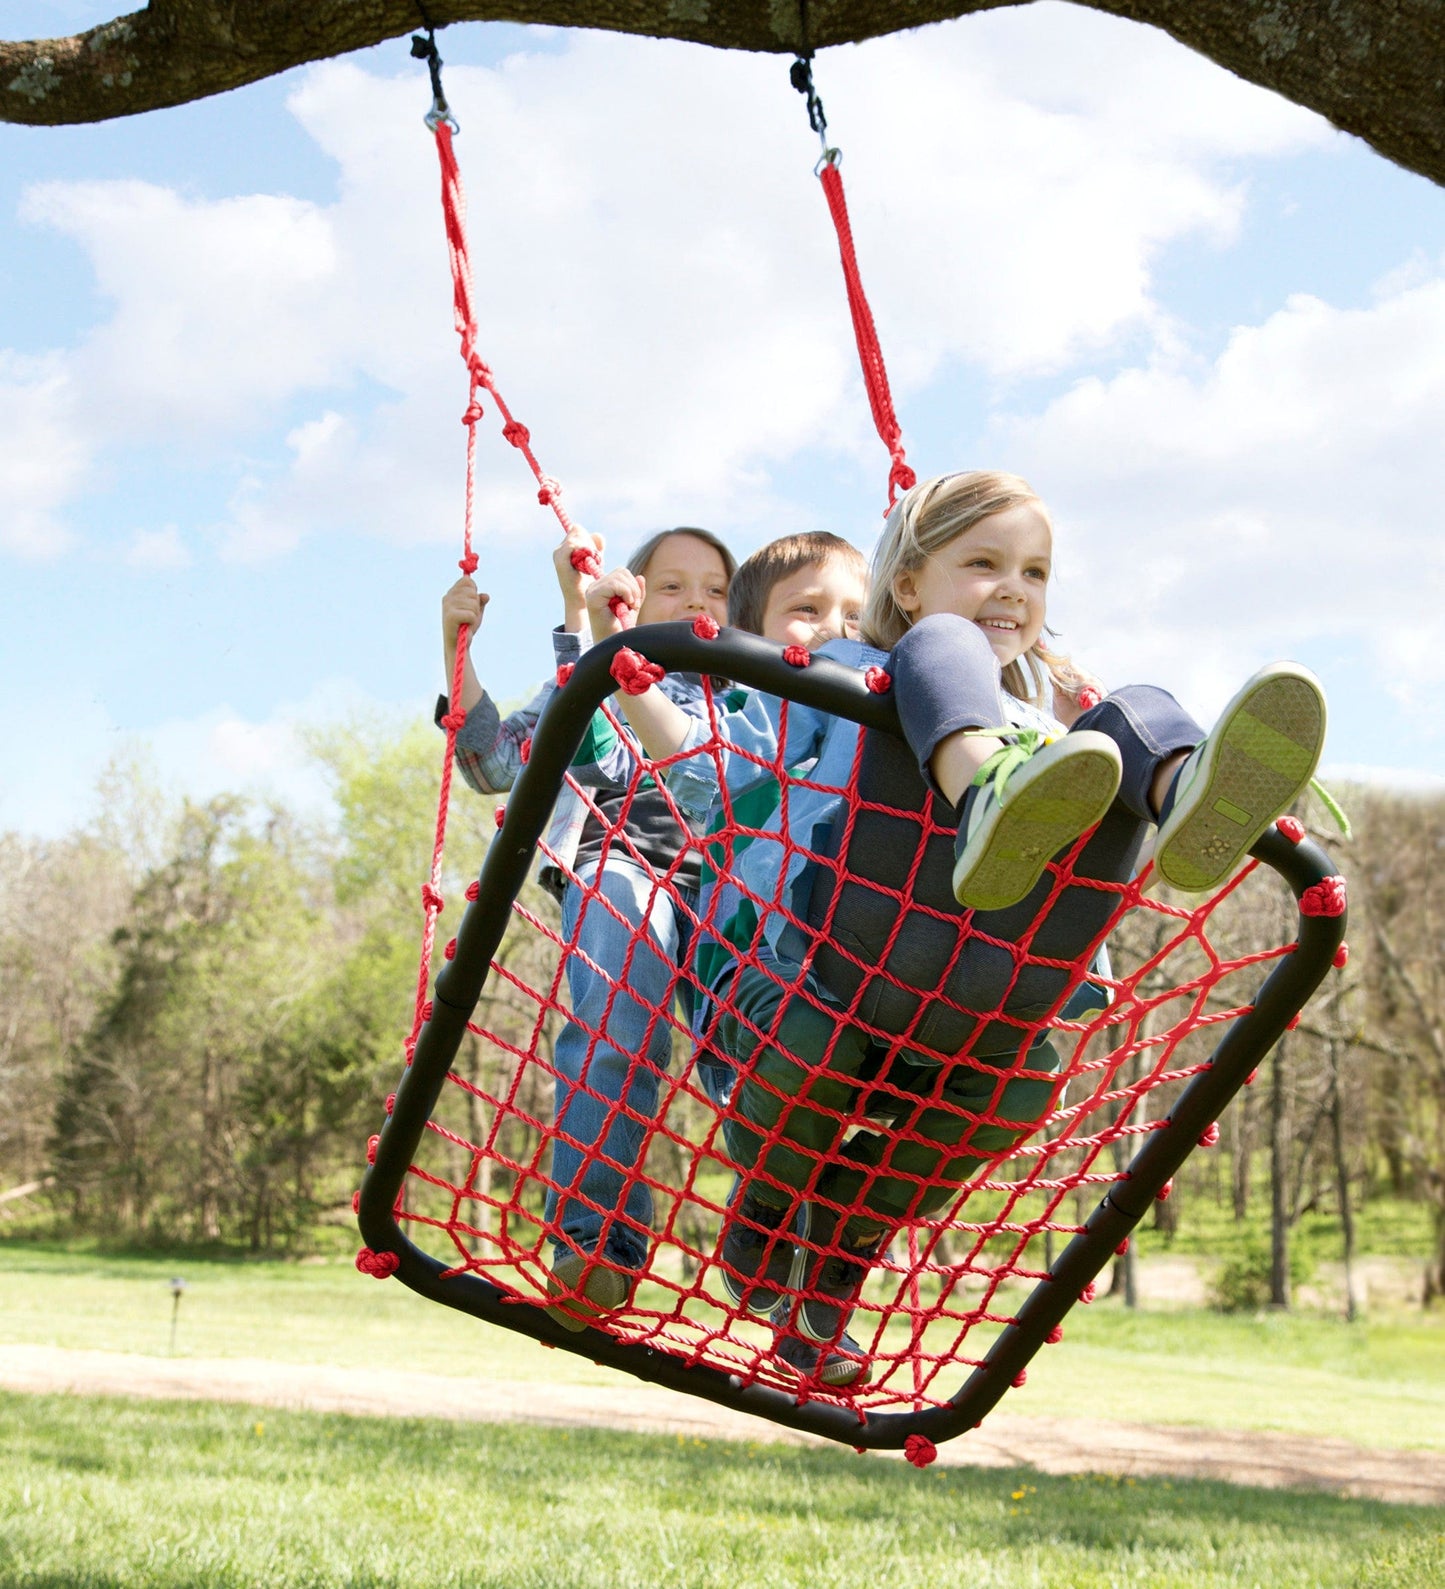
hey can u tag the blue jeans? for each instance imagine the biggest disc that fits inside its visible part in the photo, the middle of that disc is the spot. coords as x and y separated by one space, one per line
612 1054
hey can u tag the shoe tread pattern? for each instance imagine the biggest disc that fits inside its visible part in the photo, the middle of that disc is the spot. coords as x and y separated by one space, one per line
1262 762
1037 820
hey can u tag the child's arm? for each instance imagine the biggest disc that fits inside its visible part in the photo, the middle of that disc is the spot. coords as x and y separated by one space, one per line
1074 692
575 582
488 745
661 726
463 604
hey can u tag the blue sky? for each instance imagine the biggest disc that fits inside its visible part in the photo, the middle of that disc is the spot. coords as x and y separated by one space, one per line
1210 329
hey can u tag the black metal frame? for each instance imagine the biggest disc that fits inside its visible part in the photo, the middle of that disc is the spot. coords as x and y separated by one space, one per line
843 691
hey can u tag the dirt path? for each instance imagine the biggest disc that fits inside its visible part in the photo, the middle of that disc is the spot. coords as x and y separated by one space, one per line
1053 1445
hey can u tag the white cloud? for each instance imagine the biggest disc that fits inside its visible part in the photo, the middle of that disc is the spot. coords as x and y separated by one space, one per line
43 456
657 282
1399 780
160 550
222 309
1286 492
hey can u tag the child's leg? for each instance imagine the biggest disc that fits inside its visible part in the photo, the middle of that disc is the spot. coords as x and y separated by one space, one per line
1017 810
609 1058
939 1124
797 1066
796 1082
1256 761
946 680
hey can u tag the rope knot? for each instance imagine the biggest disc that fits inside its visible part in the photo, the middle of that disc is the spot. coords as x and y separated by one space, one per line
473 414
635 675
468 564
1325 898
586 561
1292 828
564 672
379 1265
431 899
516 432
878 680
797 656
474 891
452 721
901 476
919 1450
1342 957
1088 698
550 491
706 627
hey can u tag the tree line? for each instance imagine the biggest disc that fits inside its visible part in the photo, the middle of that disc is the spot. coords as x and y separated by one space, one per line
202 1008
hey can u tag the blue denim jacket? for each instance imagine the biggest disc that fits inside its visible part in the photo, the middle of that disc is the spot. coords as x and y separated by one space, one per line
759 734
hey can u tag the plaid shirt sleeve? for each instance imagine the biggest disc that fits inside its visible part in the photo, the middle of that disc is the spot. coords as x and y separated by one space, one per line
489 746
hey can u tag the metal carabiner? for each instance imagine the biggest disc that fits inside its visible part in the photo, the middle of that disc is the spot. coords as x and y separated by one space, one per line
425 49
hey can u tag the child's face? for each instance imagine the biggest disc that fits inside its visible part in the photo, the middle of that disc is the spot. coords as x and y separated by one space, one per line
685 576
820 602
995 574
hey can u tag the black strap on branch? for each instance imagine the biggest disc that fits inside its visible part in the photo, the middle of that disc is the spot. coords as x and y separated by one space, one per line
800 74
425 49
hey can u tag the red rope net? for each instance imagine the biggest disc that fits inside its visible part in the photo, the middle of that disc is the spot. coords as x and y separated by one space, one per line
924 1176
483 1190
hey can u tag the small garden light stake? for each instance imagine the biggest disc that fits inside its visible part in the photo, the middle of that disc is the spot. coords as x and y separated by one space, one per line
178 1286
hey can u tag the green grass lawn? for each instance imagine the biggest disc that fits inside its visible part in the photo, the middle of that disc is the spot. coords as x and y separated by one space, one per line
102 1494
1380 1383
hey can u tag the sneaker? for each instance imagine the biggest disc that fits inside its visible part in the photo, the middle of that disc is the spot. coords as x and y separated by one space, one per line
829 1274
756 1255
1027 804
838 1365
1256 762
595 1283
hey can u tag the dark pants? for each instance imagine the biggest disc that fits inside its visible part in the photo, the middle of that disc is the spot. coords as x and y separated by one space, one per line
928 1024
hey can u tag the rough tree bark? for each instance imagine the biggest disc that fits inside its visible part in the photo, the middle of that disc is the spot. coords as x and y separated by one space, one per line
1372 67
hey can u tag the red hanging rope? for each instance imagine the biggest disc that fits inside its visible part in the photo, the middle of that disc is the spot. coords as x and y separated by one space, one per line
549 494
870 354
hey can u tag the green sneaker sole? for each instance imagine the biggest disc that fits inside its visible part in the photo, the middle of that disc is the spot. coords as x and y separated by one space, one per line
1255 765
1046 807
604 1292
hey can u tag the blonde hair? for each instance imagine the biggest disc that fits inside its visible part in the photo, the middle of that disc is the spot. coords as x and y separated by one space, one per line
924 520
761 573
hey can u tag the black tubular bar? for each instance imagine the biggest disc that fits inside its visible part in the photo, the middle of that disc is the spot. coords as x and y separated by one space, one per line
840 690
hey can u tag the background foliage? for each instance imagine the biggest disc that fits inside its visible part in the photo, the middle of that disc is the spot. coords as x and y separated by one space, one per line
202 1010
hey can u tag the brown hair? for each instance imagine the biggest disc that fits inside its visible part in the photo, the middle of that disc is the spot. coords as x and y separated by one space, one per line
754 582
923 521
637 563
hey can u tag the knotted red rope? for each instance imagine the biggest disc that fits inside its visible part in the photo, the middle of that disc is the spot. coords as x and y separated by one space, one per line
549 493
870 354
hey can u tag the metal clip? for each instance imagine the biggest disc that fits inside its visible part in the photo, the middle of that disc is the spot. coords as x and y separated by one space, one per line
425 49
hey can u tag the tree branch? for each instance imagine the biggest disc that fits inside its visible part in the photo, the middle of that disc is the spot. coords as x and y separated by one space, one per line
1372 67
